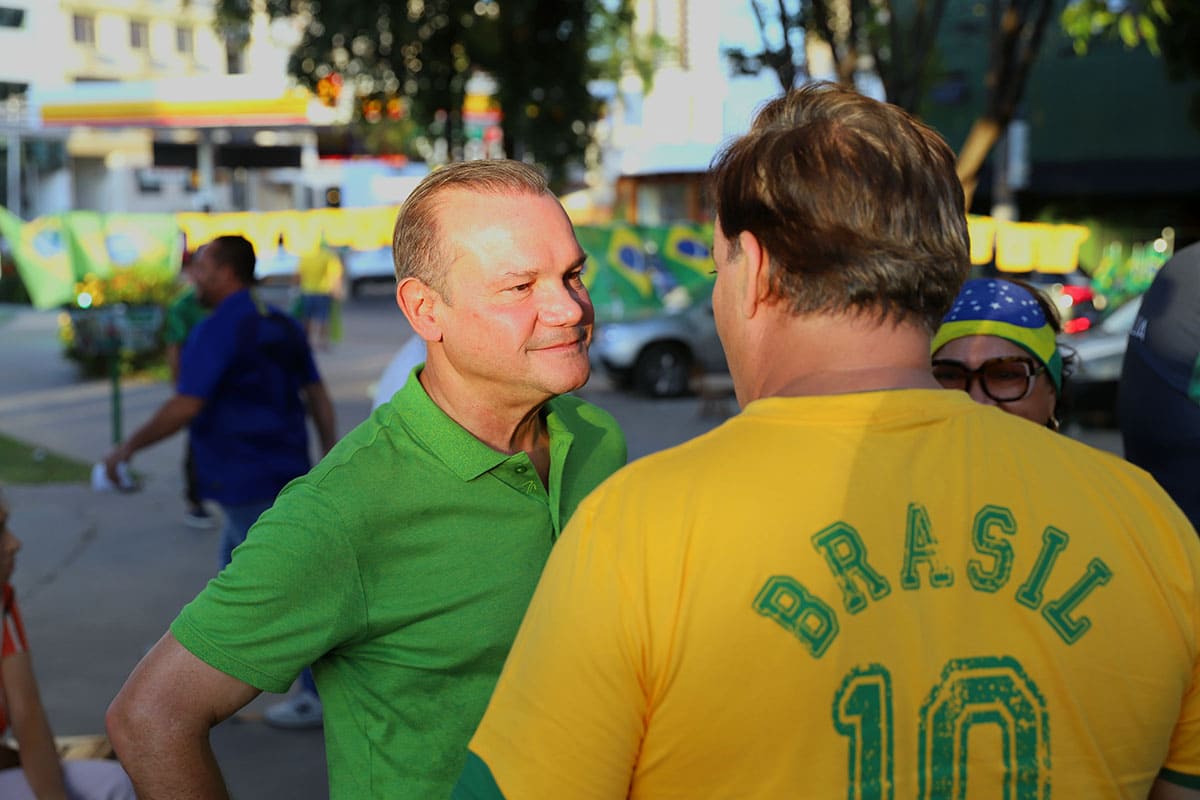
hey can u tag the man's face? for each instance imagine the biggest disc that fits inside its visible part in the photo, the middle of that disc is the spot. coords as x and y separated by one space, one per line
518 319
205 273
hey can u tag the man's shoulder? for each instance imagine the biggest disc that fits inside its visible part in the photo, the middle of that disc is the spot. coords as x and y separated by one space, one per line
232 308
277 314
378 444
223 321
377 471
1052 464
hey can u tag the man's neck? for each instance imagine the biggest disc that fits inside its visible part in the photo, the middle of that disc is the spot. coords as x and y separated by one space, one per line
865 379
226 292
818 355
506 427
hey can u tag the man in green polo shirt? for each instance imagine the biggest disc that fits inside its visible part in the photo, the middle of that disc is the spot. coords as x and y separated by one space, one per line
401 565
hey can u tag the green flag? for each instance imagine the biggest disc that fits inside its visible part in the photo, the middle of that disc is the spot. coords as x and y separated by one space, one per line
148 243
39 249
684 253
85 242
618 276
103 244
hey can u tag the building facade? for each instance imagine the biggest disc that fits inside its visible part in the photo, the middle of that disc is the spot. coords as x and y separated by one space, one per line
659 140
122 118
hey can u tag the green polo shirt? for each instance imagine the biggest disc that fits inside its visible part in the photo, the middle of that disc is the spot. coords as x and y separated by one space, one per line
400 568
184 313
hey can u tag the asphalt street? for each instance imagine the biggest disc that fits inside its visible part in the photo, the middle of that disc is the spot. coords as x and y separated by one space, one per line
101 575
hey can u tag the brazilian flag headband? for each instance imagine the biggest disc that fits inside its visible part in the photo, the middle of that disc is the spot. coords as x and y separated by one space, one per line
991 307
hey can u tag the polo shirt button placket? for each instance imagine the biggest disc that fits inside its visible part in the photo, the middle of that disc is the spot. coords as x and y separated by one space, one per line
528 486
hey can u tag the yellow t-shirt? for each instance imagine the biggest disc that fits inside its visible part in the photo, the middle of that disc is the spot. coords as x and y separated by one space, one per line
892 594
320 271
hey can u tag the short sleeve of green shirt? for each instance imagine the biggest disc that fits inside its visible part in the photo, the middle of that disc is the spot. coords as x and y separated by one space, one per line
265 618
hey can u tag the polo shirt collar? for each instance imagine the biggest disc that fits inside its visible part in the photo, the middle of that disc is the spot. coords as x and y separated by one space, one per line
458 449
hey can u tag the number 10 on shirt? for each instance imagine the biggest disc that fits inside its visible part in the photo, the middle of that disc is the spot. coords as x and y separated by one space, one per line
972 692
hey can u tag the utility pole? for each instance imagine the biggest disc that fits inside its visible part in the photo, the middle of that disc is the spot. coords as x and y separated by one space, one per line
12 139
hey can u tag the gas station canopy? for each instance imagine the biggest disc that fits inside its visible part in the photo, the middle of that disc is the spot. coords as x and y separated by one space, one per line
217 101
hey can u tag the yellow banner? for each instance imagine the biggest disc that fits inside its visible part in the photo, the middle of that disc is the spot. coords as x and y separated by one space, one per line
302 231
1025 246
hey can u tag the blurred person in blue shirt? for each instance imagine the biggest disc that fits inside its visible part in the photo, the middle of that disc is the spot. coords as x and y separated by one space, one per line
247 378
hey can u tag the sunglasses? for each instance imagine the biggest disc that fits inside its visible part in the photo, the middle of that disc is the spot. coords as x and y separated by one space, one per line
1005 380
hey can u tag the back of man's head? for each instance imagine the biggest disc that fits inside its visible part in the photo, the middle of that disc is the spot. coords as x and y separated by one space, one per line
237 253
856 202
418 246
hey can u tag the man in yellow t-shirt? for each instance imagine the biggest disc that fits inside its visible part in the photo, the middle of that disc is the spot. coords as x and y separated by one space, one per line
321 275
864 585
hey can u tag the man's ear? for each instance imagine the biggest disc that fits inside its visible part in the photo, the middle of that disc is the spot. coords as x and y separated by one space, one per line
420 305
757 288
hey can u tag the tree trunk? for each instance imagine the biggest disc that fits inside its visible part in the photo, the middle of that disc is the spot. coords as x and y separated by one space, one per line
981 138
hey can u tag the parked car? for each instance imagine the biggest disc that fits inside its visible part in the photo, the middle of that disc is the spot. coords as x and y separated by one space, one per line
368 266
1072 294
657 354
1090 394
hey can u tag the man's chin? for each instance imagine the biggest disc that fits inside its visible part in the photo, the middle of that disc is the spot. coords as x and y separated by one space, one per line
570 380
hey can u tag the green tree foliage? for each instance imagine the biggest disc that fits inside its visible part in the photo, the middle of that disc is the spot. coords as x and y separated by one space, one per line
896 39
900 40
1168 28
899 37
617 49
781 31
1135 23
541 53
1017 28
542 67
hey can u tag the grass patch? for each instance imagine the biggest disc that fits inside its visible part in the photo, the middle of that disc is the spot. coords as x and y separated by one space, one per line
21 462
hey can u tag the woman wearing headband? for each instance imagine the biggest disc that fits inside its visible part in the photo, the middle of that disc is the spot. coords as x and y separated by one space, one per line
998 344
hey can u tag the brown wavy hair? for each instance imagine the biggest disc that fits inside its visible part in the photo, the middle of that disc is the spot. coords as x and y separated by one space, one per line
856 202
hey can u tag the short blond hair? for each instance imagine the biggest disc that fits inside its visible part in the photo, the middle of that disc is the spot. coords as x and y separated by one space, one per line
418 244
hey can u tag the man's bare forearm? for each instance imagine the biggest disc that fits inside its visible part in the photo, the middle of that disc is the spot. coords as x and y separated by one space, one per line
172 416
168 765
159 723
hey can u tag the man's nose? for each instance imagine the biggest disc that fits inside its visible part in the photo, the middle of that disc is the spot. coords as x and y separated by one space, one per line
565 305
